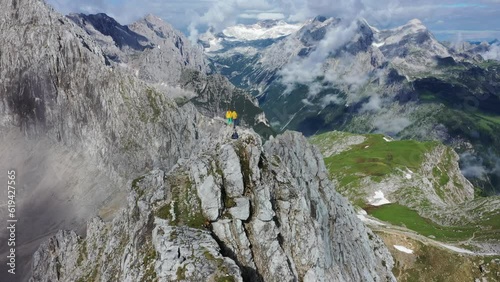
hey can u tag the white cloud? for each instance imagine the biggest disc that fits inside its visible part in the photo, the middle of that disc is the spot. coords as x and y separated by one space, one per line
330 99
307 70
493 53
373 105
474 166
474 171
391 125
307 102
270 16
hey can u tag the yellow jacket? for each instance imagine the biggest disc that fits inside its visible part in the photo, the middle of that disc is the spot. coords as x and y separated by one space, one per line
234 115
228 114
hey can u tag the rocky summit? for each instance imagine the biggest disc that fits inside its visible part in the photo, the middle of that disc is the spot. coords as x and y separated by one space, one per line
242 211
147 188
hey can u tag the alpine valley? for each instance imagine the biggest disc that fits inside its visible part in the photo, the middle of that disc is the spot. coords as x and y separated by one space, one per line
325 75
362 155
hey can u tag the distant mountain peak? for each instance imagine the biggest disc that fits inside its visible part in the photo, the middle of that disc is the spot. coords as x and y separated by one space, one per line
122 36
413 26
414 22
320 18
270 23
321 21
153 19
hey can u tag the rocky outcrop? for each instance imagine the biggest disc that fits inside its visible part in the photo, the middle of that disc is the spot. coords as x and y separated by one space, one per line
438 184
172 53
244 210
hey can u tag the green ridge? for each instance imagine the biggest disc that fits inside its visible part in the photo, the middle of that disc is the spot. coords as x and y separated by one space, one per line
375 157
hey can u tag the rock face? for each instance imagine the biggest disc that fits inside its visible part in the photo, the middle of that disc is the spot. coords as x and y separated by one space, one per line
155 52
150 46
216 95
283 222
58 95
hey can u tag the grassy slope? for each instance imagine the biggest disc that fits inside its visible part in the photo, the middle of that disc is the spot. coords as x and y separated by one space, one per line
403 216
428 262
375 157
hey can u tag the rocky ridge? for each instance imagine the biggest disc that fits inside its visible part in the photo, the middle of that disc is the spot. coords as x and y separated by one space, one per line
155 52
150 47
244 210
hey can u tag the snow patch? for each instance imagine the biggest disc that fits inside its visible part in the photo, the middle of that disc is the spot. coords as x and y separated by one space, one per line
367 147
412 27
387 139
403 249
456 249
378 199
408 174
257 31
378 44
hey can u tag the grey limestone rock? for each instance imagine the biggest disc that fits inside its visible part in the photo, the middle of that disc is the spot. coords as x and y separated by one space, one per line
296 226
72 118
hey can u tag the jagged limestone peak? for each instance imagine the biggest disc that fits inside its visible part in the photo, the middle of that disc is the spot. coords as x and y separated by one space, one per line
242 210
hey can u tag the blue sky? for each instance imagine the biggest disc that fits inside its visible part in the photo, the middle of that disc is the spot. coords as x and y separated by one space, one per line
450 20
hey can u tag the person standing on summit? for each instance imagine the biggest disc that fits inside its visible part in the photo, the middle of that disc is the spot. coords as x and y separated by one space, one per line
234 117
229 117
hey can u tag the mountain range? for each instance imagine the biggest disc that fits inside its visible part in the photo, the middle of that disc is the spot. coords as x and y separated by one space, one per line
333 75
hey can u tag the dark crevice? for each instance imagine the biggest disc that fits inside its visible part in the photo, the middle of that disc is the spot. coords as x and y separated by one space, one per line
248 274
275 208
245 166
313 210
224 198
263 163
280 238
